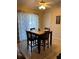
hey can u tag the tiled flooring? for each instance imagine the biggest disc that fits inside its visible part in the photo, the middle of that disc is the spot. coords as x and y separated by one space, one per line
49 53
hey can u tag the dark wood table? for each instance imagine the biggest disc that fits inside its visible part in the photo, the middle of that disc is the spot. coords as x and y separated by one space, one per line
38 34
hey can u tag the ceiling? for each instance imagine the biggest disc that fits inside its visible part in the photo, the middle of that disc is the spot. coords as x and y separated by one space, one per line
32 3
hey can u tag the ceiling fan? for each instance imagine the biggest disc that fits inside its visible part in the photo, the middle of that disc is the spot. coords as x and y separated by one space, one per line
42 4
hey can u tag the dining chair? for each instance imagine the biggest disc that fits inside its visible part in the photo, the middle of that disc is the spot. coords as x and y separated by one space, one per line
47 33
30 38
47 29
45 39
38 29
32 29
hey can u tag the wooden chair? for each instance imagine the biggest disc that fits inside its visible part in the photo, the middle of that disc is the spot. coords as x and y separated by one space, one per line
47 29
30 38
32 29
38 29
45 39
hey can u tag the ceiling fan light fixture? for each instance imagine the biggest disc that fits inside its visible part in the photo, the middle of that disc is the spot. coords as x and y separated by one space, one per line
42 7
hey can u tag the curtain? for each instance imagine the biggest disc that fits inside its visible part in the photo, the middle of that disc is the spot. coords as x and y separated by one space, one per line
25 22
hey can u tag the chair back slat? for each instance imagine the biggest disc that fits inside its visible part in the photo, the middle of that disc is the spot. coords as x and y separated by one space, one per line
32 29
47 29
30 35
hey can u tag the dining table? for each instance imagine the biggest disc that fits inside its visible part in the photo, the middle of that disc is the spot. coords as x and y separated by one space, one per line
39 34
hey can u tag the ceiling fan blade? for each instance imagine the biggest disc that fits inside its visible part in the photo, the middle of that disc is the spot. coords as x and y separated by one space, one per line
48 6
38 3
48 2
34 4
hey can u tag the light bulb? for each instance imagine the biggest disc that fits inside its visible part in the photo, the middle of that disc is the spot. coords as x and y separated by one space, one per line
42 7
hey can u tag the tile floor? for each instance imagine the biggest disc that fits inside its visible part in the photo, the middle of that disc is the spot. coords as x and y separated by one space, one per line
49 53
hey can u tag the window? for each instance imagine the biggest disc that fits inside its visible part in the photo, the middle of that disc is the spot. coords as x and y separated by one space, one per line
25 22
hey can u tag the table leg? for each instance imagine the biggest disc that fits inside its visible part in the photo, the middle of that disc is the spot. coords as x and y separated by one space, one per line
50 38
39 45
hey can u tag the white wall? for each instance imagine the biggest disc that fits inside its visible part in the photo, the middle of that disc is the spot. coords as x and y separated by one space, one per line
47 20
50 21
